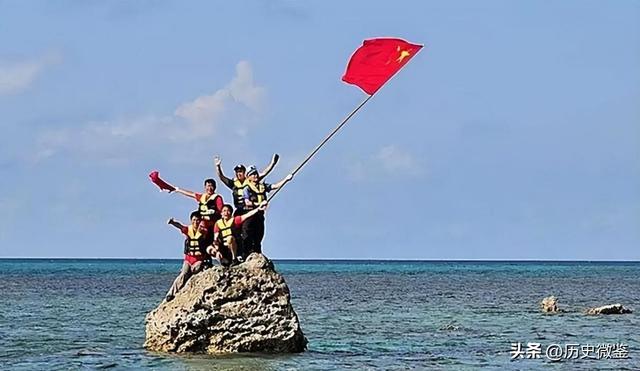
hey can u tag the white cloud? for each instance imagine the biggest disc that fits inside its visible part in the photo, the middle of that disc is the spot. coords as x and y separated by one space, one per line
18 76
243 89
194 122
108 139
389 160
204 112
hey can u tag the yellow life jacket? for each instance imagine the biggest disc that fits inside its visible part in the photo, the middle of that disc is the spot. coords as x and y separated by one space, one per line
225 229
207 206
193 243
257 194
238 193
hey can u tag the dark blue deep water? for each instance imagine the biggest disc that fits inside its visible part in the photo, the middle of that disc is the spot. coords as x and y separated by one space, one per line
74 314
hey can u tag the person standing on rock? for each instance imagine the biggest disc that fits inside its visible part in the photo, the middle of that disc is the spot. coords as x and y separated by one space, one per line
254 194
226 229
239 182
237 186
198 246
209 202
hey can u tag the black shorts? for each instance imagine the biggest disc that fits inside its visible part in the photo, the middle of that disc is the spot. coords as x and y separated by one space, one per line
226 255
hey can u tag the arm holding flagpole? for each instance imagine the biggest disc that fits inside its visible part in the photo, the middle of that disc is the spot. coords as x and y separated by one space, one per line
280 184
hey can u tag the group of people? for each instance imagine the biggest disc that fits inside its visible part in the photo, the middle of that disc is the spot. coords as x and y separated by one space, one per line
218 230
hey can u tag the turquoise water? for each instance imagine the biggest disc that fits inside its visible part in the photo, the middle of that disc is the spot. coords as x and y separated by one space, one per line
70 314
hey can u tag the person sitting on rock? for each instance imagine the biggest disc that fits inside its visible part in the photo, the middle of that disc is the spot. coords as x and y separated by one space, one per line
198 246
226 232
239 182
209 202
254 194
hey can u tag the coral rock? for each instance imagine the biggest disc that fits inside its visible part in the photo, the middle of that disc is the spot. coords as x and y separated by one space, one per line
550 305
608 309
245 308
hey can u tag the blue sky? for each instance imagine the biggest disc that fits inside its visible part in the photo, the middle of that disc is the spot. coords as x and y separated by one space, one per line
514 134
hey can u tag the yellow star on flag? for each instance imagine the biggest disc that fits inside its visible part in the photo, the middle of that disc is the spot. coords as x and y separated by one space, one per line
403 55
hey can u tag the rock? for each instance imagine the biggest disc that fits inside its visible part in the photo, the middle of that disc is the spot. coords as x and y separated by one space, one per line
450 327
608 309
245 308
550 305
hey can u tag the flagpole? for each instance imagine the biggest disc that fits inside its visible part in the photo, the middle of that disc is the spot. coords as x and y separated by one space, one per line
328 137
325 140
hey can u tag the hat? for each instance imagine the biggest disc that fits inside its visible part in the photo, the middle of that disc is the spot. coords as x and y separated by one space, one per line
252 170
239 167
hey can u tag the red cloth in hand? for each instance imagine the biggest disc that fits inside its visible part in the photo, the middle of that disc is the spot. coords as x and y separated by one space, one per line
155 178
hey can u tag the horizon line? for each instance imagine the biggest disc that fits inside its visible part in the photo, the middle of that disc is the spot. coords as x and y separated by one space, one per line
344 259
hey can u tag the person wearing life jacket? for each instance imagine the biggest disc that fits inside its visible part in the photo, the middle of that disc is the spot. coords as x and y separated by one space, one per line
209 202
226 231
198 246
254 194
238 183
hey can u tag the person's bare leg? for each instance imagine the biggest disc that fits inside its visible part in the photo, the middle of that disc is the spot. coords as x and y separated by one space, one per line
182 278
196 268
233 246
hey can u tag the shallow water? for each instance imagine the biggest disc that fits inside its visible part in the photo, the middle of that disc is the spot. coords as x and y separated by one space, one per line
62 314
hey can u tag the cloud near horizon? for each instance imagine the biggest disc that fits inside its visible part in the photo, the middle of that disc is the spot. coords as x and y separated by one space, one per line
17 77
192 122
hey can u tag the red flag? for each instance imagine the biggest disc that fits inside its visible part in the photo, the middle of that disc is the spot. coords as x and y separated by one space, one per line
373 64
155 178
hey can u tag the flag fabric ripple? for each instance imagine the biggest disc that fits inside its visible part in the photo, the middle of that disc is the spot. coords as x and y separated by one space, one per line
376 61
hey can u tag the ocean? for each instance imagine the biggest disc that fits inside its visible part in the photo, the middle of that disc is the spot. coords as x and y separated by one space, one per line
89 314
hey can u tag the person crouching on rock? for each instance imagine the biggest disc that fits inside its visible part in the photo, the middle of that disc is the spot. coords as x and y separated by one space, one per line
226 233
197 247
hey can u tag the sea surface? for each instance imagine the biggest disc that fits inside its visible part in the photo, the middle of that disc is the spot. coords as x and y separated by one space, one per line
89 314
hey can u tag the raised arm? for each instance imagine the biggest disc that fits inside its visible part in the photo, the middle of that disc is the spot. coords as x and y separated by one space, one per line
272 164
176 224
282 182
218 165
